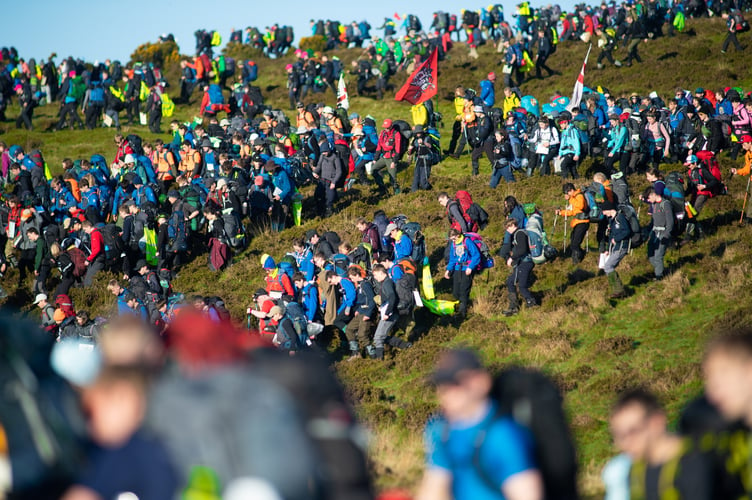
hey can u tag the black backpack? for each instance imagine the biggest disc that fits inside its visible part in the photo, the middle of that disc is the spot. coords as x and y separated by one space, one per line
35 413
136 144
113 243
414 231
533 400
634 224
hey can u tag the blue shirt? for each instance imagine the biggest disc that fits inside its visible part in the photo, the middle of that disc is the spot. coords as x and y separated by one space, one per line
506 450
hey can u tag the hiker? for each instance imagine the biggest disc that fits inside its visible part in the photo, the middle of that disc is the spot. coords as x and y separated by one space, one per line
481 138
545 140
619 233
731 29
464 258
42 260
569 147
387 310
702 184
346 309
96 260
580 223
328 172
516 253
388 154
359 329
503 158
638 425
746 141
462 387
424 159
454 213
402 245
660 232
47 311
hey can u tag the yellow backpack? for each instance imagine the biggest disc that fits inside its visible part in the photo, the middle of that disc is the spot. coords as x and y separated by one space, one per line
168 106
143 93
216 39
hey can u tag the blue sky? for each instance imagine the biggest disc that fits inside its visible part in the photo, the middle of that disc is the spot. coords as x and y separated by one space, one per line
101 29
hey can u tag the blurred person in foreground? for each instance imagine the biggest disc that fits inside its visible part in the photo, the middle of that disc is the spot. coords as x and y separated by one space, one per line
505 468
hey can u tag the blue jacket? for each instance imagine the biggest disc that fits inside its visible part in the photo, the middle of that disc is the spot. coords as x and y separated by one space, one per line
304 260
403 247
570 141
120 197
310 301
148 168
617 138
349 295
282 182
90 199
463 256
144 194
62 202
487 93
122 305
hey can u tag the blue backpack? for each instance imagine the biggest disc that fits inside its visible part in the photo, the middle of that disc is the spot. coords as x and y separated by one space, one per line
486 258
177 240
592 212
295 312
96 94
215 94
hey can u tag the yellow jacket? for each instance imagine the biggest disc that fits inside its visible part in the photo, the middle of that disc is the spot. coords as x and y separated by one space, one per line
459 108
745 170
510 103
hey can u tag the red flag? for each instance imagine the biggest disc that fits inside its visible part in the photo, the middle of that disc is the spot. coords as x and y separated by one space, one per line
422 84
579 84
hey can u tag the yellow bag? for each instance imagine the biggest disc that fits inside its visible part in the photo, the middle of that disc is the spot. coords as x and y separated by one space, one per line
216 40
419 114
168 106
427 282
143 92
441 307
528 66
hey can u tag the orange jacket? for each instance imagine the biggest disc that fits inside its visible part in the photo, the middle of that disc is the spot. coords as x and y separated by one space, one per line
166 165
75 190
189 161
576 206
745 170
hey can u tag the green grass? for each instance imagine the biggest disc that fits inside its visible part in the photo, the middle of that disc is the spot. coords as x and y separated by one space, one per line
592 346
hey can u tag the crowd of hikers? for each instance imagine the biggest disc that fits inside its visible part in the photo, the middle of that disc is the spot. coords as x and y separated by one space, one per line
204 194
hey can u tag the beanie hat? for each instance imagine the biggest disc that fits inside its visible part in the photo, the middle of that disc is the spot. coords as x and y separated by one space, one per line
267 262
59 315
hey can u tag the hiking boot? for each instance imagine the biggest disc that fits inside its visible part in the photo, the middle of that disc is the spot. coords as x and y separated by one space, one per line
599 66
617 64
531 303
511 311
354 350
617 287
370 351
397 190
378 353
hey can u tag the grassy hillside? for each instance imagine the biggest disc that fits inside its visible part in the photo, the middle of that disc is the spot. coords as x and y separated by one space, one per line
594 347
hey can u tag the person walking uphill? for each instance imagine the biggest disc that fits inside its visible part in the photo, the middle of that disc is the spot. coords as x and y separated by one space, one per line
660 233
516 252
619 233
329 171
746 141
580 223
464 258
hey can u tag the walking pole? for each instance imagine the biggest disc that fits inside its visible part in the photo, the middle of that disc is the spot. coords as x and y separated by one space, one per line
746 195
565 235
587 241
553 231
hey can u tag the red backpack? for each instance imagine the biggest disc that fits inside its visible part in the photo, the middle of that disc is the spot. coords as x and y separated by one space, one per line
466 201
708 160
78 258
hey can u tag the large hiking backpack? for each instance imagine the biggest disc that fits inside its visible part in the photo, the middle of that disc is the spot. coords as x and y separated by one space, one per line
136 144
78 258
533 401
295 312
634 225
406 285
540 249
341 263
234 231
402 128
36 418
288 265
113 243
709 161
486 259
592 211
620 188
176 236
415 232
674 191
473 213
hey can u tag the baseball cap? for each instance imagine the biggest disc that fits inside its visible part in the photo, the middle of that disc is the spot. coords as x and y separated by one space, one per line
258 293
390 228
453 363
39 298
690 160
746 138
276 310
139 264
387 123
224 122
129 159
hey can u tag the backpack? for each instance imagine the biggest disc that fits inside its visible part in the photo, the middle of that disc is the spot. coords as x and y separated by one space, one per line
136 144
234 231
77 88
533 400
341 264
486 259
288 265
252 70
113 243
592 211
414 231
709 160
78 258
295 313
402 128
674 191
634 225
540 249
406 285
176 237
37 414
471 210
620 188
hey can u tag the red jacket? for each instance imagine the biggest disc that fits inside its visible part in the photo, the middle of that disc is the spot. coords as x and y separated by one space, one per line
97 246
390 144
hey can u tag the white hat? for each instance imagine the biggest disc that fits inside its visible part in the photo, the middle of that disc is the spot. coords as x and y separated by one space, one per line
39 298
328 110
129 159
221 183
390 227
